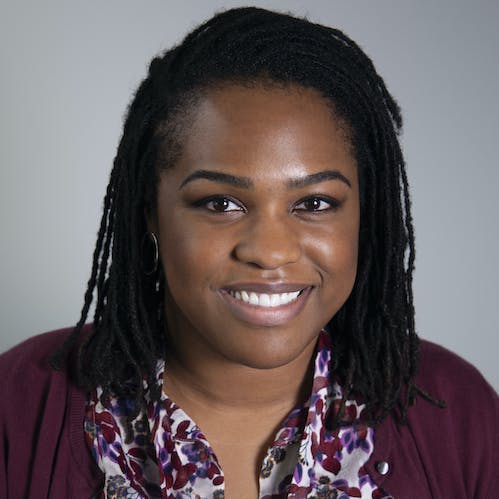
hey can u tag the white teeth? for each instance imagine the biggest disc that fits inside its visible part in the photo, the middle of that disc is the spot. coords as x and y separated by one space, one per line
264 299
275 300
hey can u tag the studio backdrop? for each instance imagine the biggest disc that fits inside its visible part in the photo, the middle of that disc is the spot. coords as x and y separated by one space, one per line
68 70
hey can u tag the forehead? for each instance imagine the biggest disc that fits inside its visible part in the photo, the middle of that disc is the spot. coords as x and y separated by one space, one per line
264 127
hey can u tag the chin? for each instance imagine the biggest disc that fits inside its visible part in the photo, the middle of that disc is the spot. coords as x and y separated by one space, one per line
270 352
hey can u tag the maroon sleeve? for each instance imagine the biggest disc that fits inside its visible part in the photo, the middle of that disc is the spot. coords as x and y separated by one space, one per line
442 453
38 423
460 443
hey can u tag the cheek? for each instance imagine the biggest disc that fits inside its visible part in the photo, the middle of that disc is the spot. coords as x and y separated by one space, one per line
335 253
190 256
348 249
338 260
336 248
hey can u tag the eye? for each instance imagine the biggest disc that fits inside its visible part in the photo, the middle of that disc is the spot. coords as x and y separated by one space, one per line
316 203
219 204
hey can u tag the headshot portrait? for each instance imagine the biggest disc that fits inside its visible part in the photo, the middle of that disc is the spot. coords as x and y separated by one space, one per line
249 250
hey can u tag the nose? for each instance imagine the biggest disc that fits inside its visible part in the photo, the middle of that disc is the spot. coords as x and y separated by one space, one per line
269 243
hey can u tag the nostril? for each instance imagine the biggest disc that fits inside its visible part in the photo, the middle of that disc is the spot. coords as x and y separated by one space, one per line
266 258
268 242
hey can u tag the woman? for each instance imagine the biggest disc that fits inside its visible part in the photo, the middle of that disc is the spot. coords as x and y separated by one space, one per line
254 328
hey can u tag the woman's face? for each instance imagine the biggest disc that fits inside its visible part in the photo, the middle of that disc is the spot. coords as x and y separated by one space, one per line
258 225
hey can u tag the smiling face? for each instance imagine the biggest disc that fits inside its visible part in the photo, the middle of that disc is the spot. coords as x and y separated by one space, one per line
258 226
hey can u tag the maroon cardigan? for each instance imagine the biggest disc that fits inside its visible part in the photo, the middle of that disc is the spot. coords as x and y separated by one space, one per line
441 453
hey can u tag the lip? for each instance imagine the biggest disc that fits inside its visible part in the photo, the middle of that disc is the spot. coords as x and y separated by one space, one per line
259 316
267 287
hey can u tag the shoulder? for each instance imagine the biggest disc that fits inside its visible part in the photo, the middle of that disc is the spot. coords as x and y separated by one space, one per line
450 451
461 440
447 376
33 352
41 418
31 355
25 369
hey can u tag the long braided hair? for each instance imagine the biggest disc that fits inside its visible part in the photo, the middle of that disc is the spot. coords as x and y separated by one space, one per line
374 343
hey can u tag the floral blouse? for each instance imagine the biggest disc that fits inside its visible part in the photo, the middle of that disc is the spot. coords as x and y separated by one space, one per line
168 456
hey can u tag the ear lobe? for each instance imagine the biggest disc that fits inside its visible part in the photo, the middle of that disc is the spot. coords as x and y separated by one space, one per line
149 249
151 220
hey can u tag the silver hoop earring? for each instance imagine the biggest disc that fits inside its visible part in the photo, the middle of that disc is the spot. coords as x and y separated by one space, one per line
149 250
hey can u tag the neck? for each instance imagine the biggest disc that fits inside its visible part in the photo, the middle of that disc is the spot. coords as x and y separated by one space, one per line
194 375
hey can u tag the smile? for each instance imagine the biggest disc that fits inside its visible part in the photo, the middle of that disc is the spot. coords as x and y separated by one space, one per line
260 309
264 299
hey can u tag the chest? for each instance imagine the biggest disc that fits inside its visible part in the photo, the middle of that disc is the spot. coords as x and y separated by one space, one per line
241 466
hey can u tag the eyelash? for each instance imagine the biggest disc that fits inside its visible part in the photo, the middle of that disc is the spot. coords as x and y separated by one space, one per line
203 203
333 204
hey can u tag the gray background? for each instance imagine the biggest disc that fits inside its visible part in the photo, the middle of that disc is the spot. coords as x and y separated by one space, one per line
68 70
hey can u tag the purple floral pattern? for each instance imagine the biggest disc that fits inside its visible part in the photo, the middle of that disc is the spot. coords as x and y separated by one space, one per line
165 455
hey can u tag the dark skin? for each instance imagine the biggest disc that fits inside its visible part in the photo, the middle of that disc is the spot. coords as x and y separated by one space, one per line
263 200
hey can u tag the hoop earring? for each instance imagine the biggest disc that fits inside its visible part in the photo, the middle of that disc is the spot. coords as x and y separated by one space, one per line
149 249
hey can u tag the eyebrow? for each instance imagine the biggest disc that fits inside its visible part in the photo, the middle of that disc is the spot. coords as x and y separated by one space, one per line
224 178
247 183
315 178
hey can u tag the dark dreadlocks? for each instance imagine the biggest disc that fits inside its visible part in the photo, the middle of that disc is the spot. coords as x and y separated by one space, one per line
375 347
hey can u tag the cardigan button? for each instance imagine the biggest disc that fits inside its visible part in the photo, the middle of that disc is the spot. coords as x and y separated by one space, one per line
382 467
